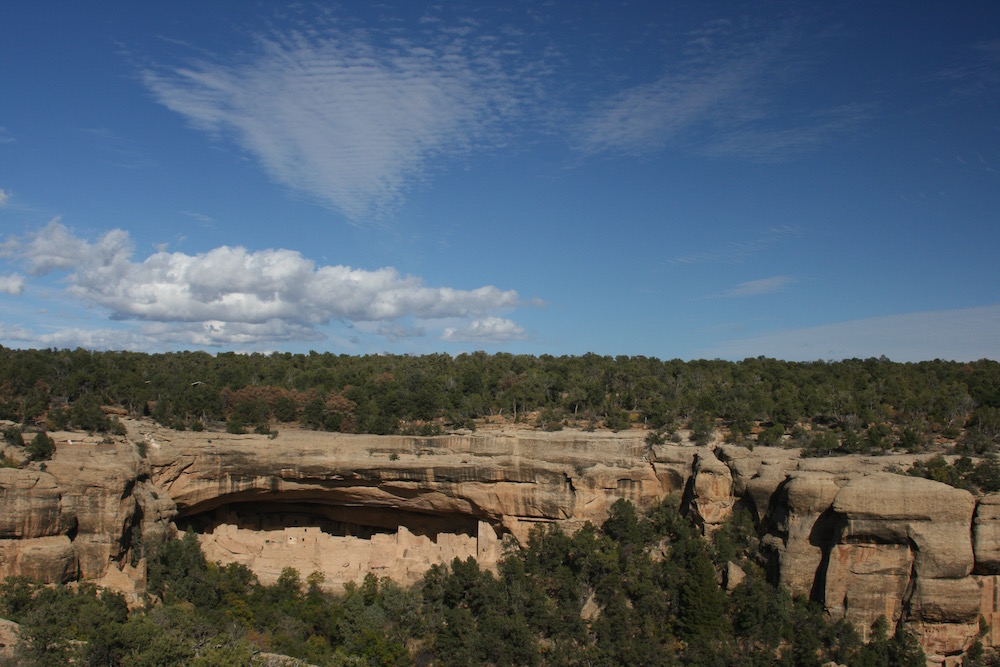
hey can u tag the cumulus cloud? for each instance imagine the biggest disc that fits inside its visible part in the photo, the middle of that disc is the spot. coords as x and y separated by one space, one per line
486 330
230 295
161 336
336 115
12 284
74 337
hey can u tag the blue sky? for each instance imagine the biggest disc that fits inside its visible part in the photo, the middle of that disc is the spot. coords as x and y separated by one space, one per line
678 180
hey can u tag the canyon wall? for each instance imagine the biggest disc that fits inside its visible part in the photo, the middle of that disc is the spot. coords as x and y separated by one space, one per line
847 531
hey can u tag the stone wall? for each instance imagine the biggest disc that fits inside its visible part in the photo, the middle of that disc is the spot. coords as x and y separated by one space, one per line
402 555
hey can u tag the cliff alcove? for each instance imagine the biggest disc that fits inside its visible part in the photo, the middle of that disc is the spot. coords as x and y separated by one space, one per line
336 520
341 540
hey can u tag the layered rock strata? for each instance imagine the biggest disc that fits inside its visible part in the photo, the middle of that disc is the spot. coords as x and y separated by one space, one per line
846 532
83 515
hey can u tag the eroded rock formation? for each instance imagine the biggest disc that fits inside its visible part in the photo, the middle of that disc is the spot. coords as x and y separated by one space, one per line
84 514
845 531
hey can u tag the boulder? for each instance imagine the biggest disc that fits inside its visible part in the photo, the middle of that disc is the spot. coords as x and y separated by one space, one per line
50 560
760 488
710 492
745 464
865 581
734 575
895 509
32 505
945 600
672 465
796 537
944 616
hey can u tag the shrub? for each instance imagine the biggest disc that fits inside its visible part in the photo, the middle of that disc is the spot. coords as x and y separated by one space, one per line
771 436
823 443
702 428
12 435
41 447
549 420
117 428
617 420
986 475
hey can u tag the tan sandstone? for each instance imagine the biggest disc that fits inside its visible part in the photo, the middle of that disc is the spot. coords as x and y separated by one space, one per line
844 530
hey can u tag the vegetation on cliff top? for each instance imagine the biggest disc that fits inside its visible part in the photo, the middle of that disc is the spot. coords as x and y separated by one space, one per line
639 590
851 406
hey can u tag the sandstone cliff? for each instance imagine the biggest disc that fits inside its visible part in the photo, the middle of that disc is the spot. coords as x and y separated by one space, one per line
83 514
845 531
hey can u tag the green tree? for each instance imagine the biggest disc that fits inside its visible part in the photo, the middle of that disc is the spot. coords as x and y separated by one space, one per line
41 447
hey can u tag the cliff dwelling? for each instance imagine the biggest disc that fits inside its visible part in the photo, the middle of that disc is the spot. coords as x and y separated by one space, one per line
341 541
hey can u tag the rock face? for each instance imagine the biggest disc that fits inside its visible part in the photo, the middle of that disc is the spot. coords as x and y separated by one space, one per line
844 531
346 505
8 639
84 514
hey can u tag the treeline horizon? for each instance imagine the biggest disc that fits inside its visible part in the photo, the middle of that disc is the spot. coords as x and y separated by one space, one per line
849 406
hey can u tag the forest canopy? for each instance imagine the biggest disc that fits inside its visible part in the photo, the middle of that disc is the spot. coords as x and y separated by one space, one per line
855 405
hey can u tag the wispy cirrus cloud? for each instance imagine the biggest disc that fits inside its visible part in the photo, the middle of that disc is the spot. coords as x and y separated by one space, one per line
773 144
233 296
760 287
737 252
722 97
966 334
977 74
645 118
4 197
336 115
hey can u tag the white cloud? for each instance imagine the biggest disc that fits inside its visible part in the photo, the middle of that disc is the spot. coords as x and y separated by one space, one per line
396 332
759 287
719 98
12 284
341 118
487 330
157 336
961 335
645 118
4 197
231 295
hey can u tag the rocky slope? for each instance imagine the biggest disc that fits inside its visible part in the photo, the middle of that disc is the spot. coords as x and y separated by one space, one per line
845 531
